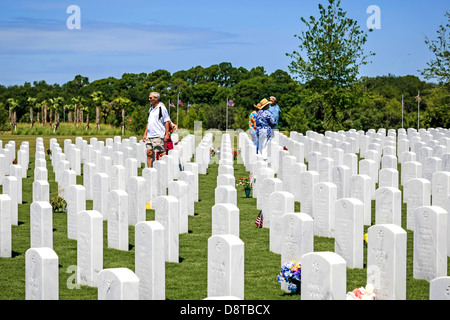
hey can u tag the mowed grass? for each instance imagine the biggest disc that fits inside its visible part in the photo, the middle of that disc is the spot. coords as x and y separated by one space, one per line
186 280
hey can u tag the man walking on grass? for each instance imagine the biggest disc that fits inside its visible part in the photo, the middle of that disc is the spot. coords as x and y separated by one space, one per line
157 130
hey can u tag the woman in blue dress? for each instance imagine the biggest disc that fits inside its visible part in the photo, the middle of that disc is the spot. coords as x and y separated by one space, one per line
264 124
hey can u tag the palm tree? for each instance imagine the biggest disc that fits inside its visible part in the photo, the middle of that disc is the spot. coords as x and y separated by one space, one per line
12 103
70 108
38 108
78 106
122 103
98 98
55 106
32 102
44 112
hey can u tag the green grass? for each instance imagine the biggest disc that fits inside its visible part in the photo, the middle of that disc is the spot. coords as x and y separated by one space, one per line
186 280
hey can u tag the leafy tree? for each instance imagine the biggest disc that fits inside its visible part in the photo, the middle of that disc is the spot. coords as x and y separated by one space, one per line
3 117
333 46
437 113
439 67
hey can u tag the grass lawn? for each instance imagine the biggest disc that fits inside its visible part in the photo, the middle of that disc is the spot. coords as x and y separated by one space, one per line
186 280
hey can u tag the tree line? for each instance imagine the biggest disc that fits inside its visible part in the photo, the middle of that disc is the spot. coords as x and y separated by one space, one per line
201 94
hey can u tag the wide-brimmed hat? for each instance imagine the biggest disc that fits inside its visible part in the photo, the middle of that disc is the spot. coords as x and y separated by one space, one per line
264 102
257 106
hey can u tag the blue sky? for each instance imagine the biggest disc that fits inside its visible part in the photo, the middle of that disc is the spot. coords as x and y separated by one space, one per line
135 36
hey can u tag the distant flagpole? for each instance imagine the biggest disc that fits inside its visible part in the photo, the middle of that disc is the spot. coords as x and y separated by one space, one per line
178 99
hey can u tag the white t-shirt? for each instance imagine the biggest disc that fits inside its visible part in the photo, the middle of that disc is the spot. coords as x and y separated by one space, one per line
156 126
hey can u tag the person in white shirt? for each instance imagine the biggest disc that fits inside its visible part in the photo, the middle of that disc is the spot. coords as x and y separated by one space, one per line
157 130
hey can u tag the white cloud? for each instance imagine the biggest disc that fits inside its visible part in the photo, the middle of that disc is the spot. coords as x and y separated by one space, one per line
25 36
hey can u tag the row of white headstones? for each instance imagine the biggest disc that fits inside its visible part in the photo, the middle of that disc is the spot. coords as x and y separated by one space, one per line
120 196
335 192
332 213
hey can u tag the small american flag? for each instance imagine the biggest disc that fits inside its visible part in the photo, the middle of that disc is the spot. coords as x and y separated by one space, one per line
172 105
259 220
180 102
231 103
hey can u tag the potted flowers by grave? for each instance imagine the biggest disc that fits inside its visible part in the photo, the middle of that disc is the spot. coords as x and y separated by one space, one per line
291 273
362 293
58 204
246 185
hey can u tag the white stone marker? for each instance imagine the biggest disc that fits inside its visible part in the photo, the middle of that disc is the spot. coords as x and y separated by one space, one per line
225 266
308 180
166 213
161 167
118 284
388 177
388 206
416 193
41 190
117 219
5 226
100 193
41 225
440 188
188 178
225 219
193 167
369 168
280 203
386 261
324 276
323 208
340 176
136 200
76 202
41 274
149 260
150 175
117 177
261 174
440 288
298 237
349 230
10 188
89 169
179 189
360 189
16 171
324 166
68 177
89 247
430 243
411 169
297 169
225 194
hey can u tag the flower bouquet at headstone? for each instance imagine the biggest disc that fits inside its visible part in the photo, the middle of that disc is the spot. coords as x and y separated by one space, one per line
362 293
290 273
245 184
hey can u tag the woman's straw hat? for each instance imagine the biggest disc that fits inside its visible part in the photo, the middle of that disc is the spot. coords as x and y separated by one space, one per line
264 102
